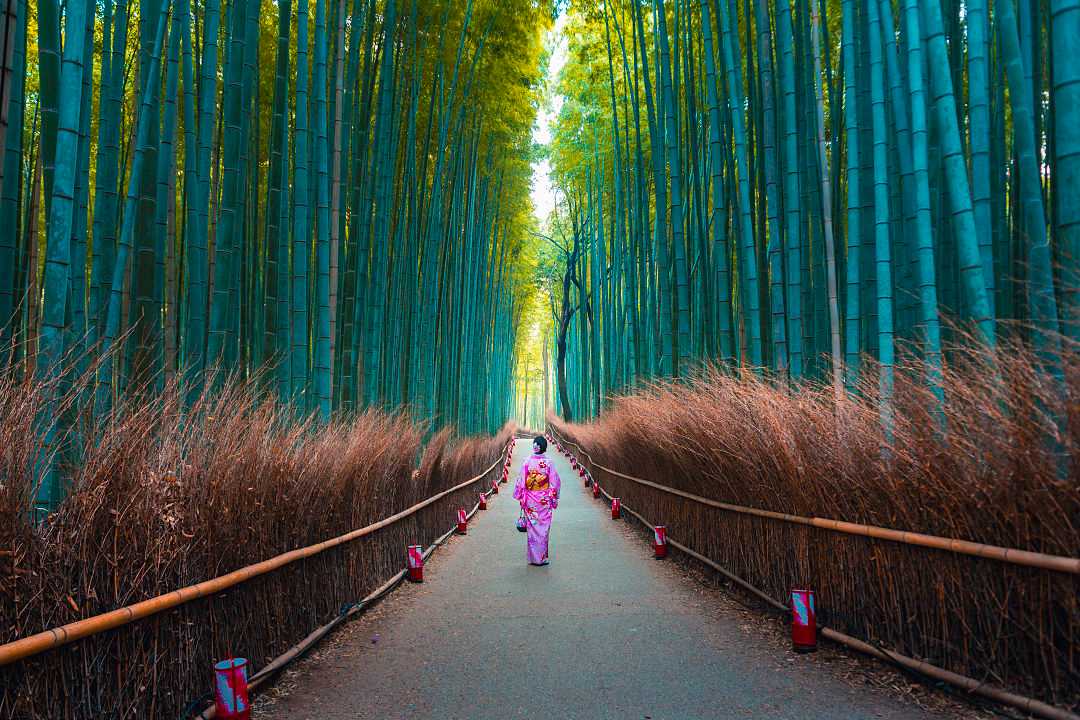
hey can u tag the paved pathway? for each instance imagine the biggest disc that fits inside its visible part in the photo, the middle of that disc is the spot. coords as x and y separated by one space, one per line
602 632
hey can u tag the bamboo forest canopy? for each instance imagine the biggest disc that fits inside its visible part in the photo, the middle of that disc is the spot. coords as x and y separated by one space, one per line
818 188
331 195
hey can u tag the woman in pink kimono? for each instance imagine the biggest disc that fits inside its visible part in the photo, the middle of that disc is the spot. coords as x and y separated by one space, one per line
537 489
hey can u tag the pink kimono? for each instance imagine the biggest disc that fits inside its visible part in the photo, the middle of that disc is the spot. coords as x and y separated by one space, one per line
537 489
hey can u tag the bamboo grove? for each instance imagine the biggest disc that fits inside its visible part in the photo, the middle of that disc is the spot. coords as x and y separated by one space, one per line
329 195
801 185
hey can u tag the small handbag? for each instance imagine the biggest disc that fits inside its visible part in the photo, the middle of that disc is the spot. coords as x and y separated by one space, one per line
521 521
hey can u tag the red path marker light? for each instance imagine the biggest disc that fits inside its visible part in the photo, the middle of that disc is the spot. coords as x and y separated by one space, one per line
416 563
615 508
803 621
483 502
596 489
231 689
495 488
659 543
462 522
581 471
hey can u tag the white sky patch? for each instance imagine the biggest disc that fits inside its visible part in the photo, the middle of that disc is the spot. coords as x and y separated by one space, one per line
543 192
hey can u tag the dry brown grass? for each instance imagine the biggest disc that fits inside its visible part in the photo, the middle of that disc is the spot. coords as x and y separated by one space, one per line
164 497
992 475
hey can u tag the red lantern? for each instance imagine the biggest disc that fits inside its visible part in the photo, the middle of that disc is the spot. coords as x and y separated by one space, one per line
416 563
462 521
803 621
596 489
483 502
659 542
615 508
231 690
495 488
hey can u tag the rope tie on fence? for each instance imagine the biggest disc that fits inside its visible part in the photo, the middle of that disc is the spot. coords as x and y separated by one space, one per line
977 687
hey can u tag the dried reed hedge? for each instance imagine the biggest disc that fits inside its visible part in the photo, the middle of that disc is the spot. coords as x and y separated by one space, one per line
995 472
163 498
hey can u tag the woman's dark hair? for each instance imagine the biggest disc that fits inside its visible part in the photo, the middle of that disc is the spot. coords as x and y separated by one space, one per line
541 442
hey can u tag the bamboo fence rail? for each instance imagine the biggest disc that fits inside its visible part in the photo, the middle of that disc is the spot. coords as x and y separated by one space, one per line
267 673
1057 563
57 637
1054 563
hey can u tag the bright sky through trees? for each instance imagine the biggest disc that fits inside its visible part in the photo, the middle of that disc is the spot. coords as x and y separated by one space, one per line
543 190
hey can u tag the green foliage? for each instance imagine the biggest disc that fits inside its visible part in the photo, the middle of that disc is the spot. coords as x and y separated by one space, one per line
844 180
345 245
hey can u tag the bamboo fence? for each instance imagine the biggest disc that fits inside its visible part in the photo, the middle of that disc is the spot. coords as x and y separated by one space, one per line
994 617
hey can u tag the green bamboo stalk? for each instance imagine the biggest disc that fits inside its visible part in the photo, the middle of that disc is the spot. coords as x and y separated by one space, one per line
929 323
166 192
1065 34
139 167
672 142
299 305
106 190
853 261
229 235
9 37
189 192
793 255
826 214
77 308
771 172
142 350
959 192
1041 298
336 210
657 132
882 255
9 197
749 281
198 235
58 247
322 219
48 28
275 244
978 25
376 306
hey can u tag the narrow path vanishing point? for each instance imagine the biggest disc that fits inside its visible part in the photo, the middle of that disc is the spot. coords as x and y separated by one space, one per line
602 632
